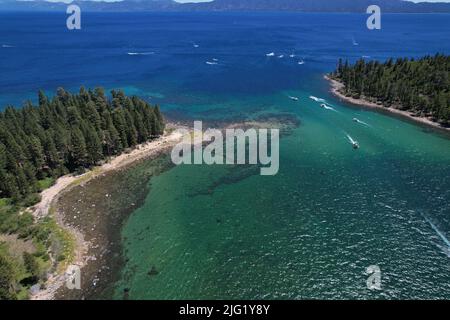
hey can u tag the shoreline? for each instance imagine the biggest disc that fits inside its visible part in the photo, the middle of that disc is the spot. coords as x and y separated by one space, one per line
50 197
97 193
336 86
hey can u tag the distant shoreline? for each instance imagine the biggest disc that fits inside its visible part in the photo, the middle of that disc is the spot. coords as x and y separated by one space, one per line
336 86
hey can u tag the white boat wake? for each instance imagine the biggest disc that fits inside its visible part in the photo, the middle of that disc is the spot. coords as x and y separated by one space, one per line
440 234
323 104
327 107
140 53
361 122
445 250
293 98
353 142
317 99
212 63
7 46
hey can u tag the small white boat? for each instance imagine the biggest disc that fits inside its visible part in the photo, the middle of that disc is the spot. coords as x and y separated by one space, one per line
211 63
281 56
316 99
272 54
293 98
354 143
301 62
140 53
325 106
360 122
292 56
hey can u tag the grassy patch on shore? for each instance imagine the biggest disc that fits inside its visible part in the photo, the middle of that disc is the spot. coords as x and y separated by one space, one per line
46 183
30 249
61 242
4 202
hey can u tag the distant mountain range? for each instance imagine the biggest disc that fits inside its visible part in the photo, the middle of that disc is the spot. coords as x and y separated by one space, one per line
233 5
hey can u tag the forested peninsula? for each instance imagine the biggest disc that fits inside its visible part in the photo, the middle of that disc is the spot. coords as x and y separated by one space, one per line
419 87
67 133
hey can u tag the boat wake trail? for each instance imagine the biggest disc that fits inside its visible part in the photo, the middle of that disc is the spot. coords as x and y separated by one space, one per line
353 142
140 53
445 250
350 139
323 103
361 122
439 233
325 106
317 99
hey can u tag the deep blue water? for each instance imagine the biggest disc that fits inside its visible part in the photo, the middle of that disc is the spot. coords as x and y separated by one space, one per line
46 55
311 230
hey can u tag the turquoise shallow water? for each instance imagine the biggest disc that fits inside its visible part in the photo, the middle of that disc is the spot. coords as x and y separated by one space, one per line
309 232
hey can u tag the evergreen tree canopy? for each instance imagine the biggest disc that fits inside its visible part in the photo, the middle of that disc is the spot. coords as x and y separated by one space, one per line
69 132
420 86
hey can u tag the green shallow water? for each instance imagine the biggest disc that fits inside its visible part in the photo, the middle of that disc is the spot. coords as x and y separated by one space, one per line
225 232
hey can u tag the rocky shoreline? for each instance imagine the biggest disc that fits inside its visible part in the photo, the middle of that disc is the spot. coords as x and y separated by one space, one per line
337 86
94 207
83 224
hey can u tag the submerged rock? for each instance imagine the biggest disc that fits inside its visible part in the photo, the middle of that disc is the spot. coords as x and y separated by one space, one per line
126 293
153 271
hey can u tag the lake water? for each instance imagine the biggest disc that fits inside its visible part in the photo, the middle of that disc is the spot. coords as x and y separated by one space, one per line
226 232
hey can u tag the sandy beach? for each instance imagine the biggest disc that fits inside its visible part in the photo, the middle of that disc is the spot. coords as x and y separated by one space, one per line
336 87
50 196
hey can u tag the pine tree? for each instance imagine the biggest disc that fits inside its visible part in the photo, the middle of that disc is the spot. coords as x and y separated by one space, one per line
37 153
78 152
93 146
7 279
